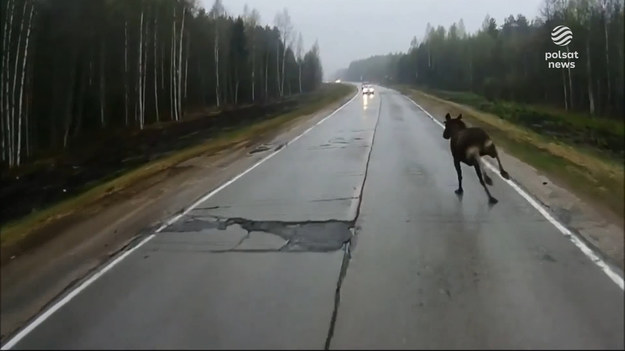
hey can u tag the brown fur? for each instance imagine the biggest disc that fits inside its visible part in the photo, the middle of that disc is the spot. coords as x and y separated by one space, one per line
468 145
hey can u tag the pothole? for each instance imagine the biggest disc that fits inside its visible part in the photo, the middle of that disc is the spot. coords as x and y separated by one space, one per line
310 236
260 148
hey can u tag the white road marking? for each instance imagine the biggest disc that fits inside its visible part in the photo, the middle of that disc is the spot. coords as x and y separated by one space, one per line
67 298
606 268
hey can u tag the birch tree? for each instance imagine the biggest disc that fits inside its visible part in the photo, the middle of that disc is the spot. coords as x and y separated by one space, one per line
179 65
126 71
284 25
154 62
62 81
172 69
299 58
252 18
139 115
215 14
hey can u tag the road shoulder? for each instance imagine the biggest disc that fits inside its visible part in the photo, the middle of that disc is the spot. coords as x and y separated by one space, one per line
598 228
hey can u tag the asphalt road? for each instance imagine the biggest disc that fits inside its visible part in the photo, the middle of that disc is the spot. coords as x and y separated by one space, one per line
350 237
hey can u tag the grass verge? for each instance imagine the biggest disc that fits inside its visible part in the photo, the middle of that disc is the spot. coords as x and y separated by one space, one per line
596 178
17 231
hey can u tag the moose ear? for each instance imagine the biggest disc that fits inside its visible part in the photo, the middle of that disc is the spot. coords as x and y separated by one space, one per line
459 116
447 116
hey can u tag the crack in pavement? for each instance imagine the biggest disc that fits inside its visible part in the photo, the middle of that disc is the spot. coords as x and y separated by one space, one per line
302 236
337 295
348 245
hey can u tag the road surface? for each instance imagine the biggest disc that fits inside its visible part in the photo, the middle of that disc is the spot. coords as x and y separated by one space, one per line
349 237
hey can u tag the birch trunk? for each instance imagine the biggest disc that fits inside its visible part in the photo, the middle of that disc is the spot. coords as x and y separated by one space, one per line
155 23
253 71
278 70
570 82
5 85
591 98
3 129
139 72
4 119
172 49
70 100
186 69
607 56
144 70
299 67
81 103
162 68
126 71
282 75
13 86
236 85
26 116
216 52
102 84
202 83
174 72
266 74
184 12
566 101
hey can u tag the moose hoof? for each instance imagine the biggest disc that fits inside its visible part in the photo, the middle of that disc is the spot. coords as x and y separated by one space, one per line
505 175
458 191
492 201
488 181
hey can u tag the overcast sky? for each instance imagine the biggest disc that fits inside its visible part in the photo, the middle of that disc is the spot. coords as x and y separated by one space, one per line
352 29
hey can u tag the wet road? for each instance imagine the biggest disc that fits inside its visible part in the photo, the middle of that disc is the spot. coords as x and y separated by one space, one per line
350 237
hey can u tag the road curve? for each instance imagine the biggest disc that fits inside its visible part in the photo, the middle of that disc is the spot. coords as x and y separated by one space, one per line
349 237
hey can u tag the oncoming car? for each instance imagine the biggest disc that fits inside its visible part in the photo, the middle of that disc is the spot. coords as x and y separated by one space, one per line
367 89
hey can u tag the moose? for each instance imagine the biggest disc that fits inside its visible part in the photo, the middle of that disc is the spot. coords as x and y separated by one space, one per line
468 145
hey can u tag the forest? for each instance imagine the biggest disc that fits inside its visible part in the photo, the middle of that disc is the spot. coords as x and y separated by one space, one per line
508 61
73 70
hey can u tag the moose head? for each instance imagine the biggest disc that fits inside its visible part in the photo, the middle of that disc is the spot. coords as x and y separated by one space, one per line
453 125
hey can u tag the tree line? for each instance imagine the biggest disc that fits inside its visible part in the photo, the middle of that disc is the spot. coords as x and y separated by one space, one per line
71 69
508 62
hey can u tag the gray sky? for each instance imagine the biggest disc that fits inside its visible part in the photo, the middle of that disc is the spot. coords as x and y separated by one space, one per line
352 29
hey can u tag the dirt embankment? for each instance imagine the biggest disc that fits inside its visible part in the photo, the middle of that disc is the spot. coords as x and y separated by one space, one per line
37 185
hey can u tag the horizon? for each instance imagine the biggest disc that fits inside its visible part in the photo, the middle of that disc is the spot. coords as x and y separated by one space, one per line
393 31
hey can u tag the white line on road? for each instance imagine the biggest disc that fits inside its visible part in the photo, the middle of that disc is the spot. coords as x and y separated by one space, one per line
615 277
67 298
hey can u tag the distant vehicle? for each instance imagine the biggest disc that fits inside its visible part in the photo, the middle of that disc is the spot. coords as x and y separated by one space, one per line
368 89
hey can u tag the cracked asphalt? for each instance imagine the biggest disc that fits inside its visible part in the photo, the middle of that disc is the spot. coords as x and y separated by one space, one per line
350 237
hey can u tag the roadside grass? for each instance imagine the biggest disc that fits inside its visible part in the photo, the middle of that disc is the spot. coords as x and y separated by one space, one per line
18 230
601 136
594 174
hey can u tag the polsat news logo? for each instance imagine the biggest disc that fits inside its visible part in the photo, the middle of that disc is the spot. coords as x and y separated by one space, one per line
561 36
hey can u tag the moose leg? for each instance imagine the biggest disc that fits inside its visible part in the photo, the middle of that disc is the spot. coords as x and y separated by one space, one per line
493 154
478 170
458 191
487 179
